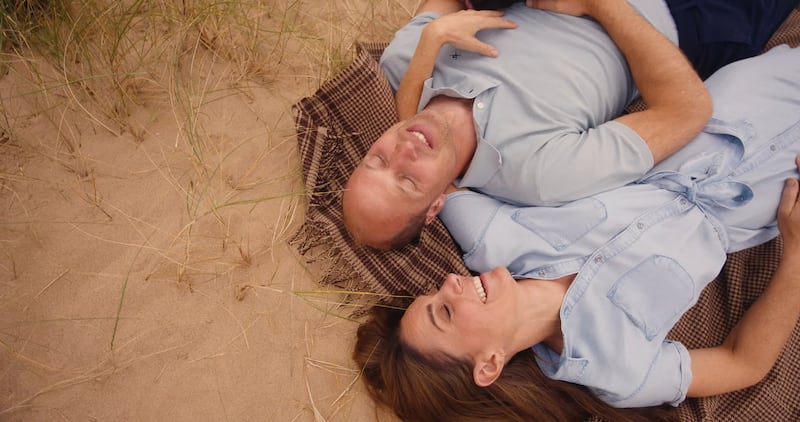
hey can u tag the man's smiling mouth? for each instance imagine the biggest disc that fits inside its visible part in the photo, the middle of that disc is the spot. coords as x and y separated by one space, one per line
421 136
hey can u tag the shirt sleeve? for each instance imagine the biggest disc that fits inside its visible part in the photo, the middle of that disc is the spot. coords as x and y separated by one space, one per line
667 381
578 165
397 55
467 215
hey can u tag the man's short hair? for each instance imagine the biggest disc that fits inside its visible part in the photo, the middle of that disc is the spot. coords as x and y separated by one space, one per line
410 233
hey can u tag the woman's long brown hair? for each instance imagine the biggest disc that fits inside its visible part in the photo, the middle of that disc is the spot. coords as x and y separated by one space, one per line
420 389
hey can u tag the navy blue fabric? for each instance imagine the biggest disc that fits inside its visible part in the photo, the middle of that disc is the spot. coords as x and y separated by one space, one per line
713 33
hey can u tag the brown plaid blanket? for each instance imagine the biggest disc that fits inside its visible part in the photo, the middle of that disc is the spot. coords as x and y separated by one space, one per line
336 126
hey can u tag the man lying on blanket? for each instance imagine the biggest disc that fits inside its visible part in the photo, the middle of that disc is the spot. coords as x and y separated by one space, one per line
531 115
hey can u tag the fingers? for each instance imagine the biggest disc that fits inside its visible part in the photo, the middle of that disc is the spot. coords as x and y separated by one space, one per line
487 50
493 19
479 47
488 12
788 199
460 29
506 24
488 18
790 196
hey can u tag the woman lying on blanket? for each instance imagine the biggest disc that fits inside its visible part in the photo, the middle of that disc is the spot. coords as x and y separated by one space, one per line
570 314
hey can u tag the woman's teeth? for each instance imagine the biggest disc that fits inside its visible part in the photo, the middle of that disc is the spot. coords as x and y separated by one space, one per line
479 288
422 138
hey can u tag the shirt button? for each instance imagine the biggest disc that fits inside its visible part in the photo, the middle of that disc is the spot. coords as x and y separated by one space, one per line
683 202
480 106
772 147
640 226
542 273
598 259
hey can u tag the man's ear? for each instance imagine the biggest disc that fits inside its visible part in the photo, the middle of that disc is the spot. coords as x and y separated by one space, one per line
488 368
434 209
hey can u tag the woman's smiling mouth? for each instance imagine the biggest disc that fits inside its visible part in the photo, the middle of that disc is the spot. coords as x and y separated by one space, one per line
476 281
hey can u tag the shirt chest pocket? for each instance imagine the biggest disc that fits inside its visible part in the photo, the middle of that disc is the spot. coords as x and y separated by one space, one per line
562 226
654 294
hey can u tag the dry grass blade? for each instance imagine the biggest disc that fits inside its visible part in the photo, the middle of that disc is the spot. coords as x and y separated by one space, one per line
58 277
122 296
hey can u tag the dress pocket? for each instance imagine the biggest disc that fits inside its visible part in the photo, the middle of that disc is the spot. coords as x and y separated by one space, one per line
654 294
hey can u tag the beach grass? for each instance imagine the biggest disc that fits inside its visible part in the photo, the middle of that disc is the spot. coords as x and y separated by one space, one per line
149 184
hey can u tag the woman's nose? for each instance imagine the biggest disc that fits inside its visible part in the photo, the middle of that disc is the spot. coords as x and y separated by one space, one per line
454 281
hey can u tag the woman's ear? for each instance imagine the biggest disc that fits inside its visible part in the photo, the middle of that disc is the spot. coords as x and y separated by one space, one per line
488 368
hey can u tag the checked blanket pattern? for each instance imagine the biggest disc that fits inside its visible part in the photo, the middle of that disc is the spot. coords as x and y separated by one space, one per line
336 126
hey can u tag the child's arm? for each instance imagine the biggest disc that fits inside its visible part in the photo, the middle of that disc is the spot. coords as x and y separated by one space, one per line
457 29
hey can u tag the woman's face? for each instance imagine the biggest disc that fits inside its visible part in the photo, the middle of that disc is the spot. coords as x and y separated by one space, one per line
466 318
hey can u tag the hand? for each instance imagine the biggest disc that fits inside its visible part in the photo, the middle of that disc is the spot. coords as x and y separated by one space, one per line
789 215
459 29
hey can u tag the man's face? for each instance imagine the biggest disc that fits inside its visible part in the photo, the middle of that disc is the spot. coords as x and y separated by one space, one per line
404 172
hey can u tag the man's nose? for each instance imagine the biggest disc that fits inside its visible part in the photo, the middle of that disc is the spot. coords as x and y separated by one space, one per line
405 148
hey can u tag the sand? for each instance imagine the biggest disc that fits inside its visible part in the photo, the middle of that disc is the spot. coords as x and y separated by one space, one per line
149 188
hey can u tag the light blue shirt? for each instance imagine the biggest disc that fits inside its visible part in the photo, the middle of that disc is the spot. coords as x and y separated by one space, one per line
543 109
644 252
